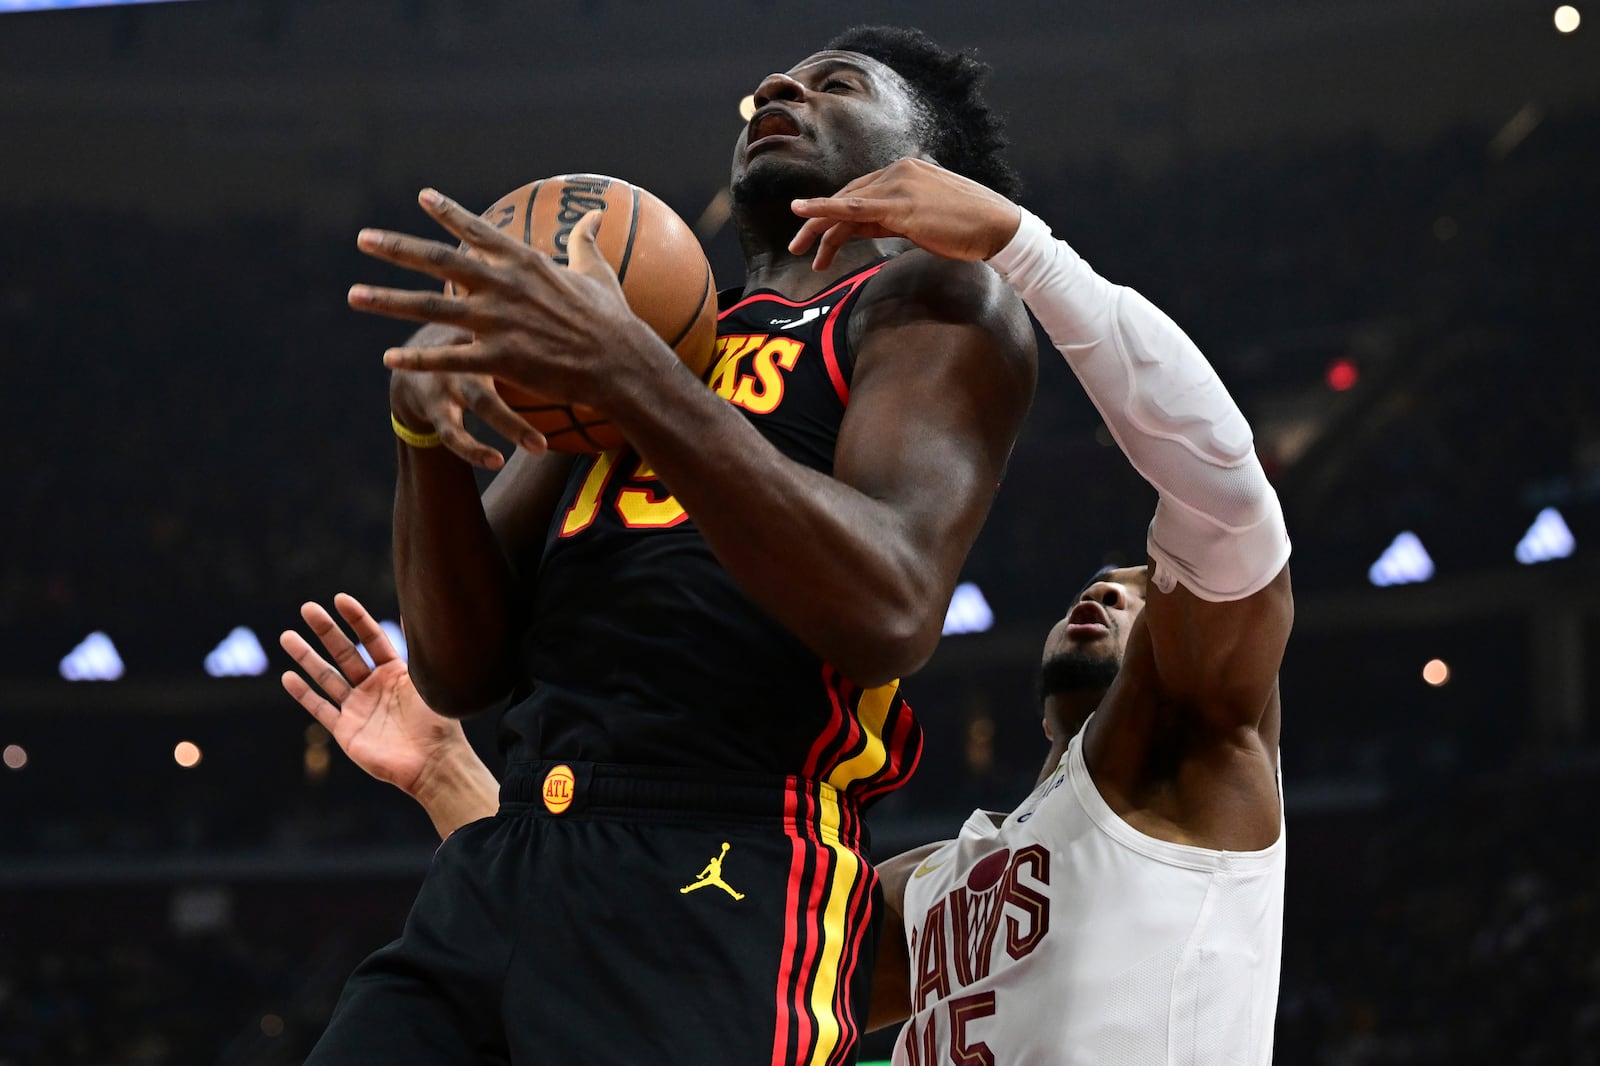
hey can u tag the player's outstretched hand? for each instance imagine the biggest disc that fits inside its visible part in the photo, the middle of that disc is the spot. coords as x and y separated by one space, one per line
373 712
943 212
557 331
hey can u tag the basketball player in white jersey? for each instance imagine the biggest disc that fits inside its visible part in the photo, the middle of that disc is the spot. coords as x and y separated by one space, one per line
1129 911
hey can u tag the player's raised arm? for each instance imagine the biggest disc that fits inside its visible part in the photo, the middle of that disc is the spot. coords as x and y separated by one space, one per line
456 558
860 565
1219 608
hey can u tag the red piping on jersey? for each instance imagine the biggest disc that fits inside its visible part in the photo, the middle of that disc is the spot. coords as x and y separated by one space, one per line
866 272
831 357
897 771
843 696
836 722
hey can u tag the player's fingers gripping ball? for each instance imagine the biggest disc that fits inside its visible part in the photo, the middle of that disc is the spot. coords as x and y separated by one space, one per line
659 264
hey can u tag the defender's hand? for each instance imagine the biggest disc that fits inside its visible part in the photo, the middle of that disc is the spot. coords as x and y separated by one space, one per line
373 713
942 212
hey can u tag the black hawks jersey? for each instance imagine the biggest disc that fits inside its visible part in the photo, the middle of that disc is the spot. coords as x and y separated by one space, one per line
644 651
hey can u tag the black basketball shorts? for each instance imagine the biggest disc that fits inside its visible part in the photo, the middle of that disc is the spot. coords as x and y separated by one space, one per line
631 916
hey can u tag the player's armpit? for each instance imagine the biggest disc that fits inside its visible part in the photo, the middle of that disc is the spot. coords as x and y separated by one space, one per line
891 977
520 503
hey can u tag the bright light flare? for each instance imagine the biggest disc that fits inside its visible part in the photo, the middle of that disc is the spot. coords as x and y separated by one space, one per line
1342 375
1436 672
1403 562
747 107
1567 18
15 756
1548 538
186 754
968 612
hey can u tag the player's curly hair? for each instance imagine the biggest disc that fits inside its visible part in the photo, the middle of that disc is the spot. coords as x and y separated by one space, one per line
962 131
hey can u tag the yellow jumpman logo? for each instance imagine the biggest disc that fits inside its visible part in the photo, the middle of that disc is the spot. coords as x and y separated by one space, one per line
712 875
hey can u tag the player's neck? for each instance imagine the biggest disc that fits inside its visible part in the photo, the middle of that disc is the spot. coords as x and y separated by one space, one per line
1057 750
765 230
1067 711
774 268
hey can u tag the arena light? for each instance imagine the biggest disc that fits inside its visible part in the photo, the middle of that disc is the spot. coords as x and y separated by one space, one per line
1405 561
715 216
397 637
1342 375
1436 672
1516 130
969 612
186 753
15 756
239 655
1548 538
747 108
1567 19
59 5
94 659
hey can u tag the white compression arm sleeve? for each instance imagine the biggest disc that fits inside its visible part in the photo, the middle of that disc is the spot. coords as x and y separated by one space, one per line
1218 527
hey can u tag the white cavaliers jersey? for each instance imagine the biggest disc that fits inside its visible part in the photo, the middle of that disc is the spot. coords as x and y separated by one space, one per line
1062 935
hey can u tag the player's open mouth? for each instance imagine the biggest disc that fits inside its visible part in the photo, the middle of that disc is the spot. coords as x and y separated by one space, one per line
771 123
1088 619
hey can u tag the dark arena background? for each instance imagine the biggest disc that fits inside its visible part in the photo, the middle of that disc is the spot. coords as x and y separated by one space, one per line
1379 219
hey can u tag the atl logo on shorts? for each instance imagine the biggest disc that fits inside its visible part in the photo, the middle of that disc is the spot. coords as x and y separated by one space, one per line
559 788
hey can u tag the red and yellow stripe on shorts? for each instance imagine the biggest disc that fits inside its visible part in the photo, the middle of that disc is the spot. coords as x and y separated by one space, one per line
870 746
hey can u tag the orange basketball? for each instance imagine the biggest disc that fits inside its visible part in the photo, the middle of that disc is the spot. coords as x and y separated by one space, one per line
663 271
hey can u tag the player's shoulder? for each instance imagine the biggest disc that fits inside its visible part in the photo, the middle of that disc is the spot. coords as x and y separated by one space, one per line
917 286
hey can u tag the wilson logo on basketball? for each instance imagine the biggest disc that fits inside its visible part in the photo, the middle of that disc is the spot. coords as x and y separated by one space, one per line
559 788
579 196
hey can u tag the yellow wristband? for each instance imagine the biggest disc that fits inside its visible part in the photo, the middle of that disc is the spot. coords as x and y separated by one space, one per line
410 436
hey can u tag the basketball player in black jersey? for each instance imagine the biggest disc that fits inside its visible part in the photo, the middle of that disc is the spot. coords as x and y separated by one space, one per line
1160 796
698 636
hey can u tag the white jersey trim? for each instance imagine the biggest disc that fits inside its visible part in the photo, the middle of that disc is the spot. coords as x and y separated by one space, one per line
1186 856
